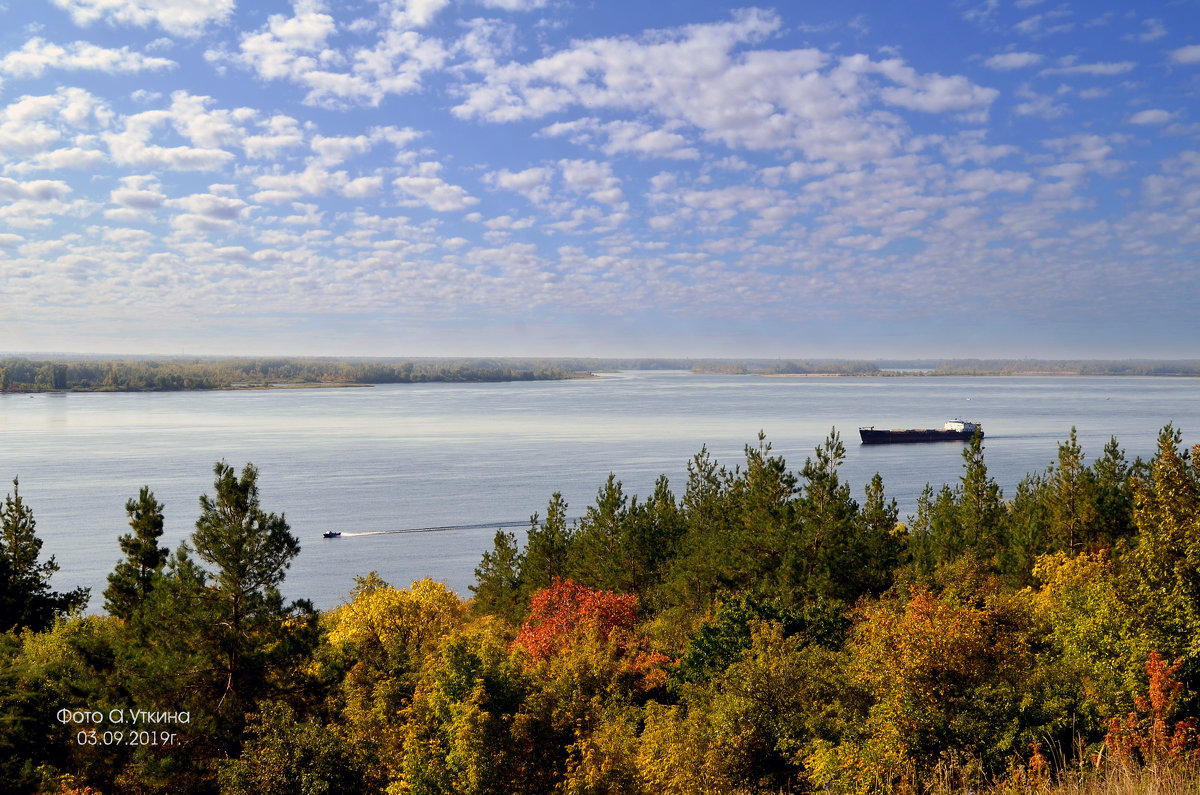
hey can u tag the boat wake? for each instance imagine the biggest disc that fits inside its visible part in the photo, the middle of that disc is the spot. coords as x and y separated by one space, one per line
437 529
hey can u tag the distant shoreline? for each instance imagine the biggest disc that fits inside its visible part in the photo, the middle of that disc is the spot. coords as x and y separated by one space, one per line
62 374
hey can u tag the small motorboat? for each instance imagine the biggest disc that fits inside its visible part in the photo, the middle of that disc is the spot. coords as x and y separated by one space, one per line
332 534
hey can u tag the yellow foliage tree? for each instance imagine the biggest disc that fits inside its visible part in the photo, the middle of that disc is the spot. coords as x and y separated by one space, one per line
382 638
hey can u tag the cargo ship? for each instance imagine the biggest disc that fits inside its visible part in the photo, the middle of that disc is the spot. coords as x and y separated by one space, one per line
952 431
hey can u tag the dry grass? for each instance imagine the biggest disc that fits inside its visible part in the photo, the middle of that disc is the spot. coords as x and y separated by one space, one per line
1175 780
1132 782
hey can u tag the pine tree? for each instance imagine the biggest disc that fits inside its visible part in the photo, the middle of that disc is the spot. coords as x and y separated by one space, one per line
25 596
131 580
251 551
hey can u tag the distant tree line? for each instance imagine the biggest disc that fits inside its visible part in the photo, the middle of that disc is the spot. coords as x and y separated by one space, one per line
19 374
146 375
1095 367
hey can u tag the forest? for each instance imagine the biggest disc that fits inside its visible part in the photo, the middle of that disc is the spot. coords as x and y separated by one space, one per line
763 630
172 374
20 374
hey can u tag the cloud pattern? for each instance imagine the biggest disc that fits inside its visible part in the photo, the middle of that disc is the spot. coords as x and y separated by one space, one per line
537 176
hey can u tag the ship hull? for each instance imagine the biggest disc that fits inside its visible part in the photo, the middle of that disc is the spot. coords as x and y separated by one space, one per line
906 435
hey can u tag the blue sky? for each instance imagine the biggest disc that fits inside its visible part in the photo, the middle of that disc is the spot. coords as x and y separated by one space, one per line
550 177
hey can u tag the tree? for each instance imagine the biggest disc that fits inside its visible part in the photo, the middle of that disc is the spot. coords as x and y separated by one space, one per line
285 756
981 503
1167 556
131 581
498 579
251 551
836 547
211 641
1072 508
547 548
597 548
1114 503
25 596
382 640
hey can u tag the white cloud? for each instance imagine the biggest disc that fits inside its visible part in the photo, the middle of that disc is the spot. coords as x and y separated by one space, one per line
1012 60
1035 104
65 159
38 55
219 210
40 190
515 5
594 179
1154 116
421 12
298 49
34 124
427 189
532 183
132 146
363 188
1068 66
985 180
182 17
139 194
274 136
630 137
315 180
693 77
1152 30
1186 55
931 93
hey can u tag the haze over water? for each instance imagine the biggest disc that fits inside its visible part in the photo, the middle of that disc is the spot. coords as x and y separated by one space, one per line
423 455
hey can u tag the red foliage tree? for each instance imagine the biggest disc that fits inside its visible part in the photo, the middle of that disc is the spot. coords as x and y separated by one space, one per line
1147 736
568 610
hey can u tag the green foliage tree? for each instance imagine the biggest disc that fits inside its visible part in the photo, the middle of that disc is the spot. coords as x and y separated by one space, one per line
26 600
499 578
250 551
548 548
598 546
981 504
213 642
969 519
1167 556
1113 477
131 580
471 729
288 756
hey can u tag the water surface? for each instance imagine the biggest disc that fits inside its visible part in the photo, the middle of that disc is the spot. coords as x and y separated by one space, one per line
420 455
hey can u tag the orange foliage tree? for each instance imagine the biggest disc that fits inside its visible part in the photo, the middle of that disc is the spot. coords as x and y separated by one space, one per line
566 611
1147 736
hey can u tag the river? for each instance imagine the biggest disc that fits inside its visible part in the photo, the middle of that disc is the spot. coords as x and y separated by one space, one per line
370 460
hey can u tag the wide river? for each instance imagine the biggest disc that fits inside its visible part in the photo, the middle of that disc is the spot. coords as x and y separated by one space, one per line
386 458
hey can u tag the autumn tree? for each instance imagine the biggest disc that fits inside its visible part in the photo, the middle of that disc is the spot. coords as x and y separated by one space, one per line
1167 555
380 641
943 672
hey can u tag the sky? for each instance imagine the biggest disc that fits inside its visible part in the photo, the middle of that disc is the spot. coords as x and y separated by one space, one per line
936 178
